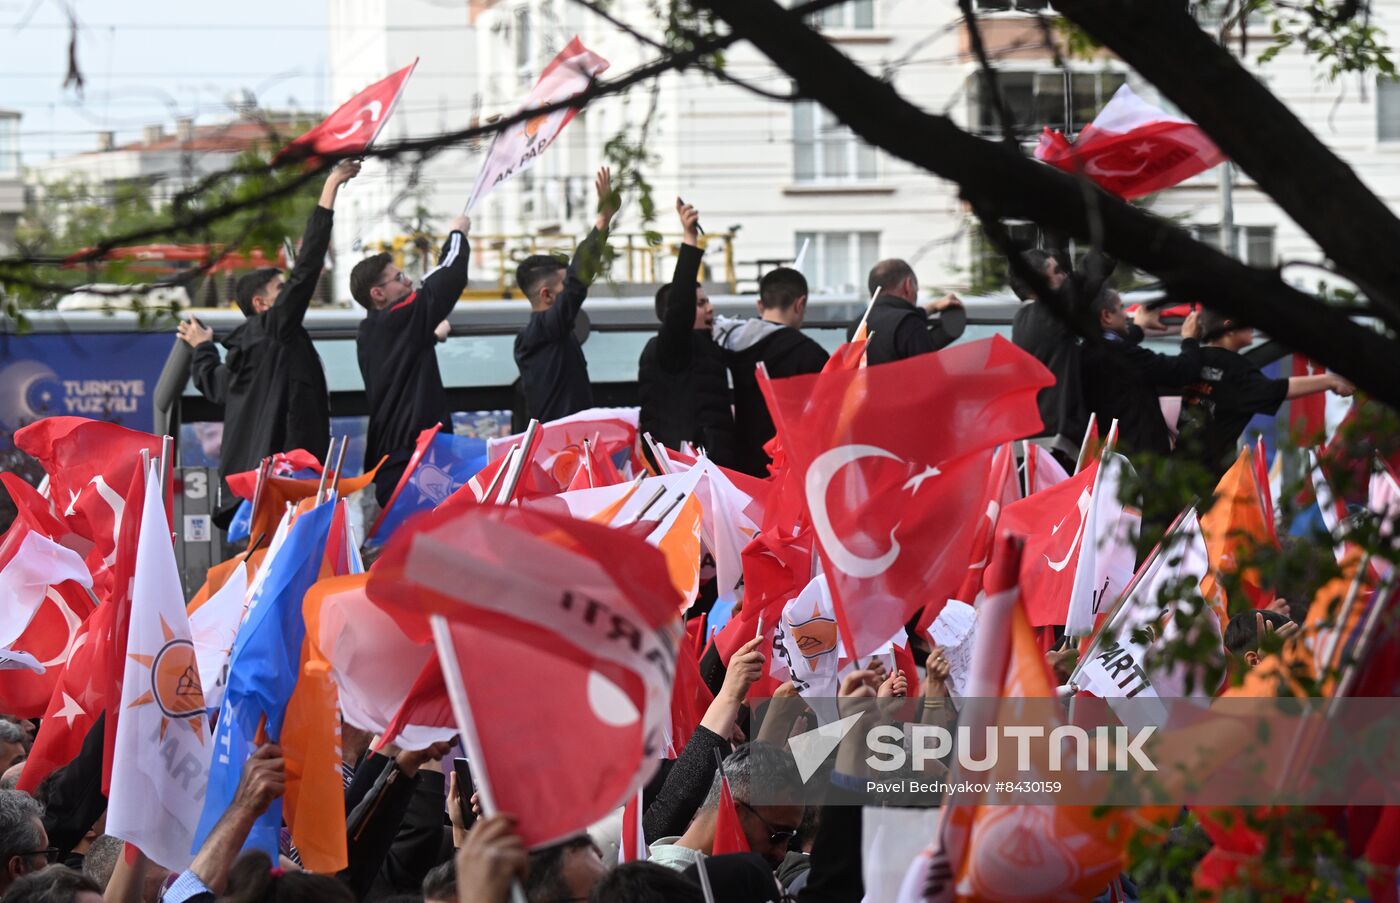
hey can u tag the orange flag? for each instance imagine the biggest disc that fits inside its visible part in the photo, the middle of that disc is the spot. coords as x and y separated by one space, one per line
315 800
681 546
278 491
1234 526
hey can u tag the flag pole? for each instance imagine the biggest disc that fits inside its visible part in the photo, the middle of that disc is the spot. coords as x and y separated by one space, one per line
527 449
258 488
1089 430
339 463
466 723
868 308
802 254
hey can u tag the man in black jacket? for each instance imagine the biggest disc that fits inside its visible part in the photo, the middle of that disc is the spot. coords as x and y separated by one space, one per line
396 347
271 383
897 326
681 375
1037 329
1122 379
776 341
553 371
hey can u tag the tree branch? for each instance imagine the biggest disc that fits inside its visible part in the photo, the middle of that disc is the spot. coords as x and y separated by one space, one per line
1353 227
1009 185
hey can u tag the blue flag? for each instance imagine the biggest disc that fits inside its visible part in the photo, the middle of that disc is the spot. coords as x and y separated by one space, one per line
446 464
263 671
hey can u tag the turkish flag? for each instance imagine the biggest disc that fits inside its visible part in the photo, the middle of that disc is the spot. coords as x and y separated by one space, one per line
53 627
91 679
1132 148
89 463
585 610
729 831
892 463
350 130
1053 525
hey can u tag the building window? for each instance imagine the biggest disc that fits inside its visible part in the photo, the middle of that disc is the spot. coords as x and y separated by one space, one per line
851 14
838 261
1254 245
1388 109
1002 6
524 43
824 150
1208 16
9 145
1037 99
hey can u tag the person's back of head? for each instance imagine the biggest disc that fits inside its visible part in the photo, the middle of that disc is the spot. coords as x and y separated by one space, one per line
252 879
100 860
663 297
365 275
255 285
645 882
1036 259
1214 325
537 273
738 878
440 884
22 836
10 779
782 289
893 276
1242 633
54 884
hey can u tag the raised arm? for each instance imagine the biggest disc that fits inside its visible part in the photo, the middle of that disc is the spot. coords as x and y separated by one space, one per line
673 342
1302 386
444 283
290 308
1169 370
211 376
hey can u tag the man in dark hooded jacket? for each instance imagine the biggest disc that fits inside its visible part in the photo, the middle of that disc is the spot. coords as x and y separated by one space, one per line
776 341
681 375
270 382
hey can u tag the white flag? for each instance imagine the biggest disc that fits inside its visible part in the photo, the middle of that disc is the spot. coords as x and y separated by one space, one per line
1108 554
516 148
36 564
160 767
213 628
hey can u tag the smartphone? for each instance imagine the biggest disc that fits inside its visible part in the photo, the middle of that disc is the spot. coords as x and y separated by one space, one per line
465 789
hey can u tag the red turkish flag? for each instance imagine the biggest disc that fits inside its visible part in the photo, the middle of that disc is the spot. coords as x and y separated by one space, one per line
351 129
54 628
91 680
892 462
729 831
1052 523
89 463
584 610
1132 148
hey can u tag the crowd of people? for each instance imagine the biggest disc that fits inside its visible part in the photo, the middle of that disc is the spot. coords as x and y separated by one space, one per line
413 831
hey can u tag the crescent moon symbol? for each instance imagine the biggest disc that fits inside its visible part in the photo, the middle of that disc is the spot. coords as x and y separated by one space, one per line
72 621
1083 505
819 476
374 107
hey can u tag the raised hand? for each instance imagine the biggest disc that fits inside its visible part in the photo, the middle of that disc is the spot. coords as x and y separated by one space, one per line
607 199
490 859
690 222
194 333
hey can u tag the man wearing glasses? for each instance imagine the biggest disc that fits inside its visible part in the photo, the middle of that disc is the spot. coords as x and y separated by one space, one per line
769 829
24 844
397 351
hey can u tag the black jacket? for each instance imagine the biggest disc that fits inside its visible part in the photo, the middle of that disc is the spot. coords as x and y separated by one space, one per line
681 376
553 370
398 362
784 352
899 329
1121 381
1039 331
270 382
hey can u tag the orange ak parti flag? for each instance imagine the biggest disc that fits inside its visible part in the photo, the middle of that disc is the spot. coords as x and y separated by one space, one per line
1234 526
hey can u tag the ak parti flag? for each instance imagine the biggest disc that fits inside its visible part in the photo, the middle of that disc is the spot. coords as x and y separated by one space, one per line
352 128
1132 148
892 463
277 492
585 610
264 668
517 147
162 751
1236 525
441 464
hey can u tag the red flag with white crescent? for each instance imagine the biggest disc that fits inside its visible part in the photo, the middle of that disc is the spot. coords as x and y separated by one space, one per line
352 128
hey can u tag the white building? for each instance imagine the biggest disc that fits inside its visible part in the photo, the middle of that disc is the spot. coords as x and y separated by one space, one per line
11 181
786 173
